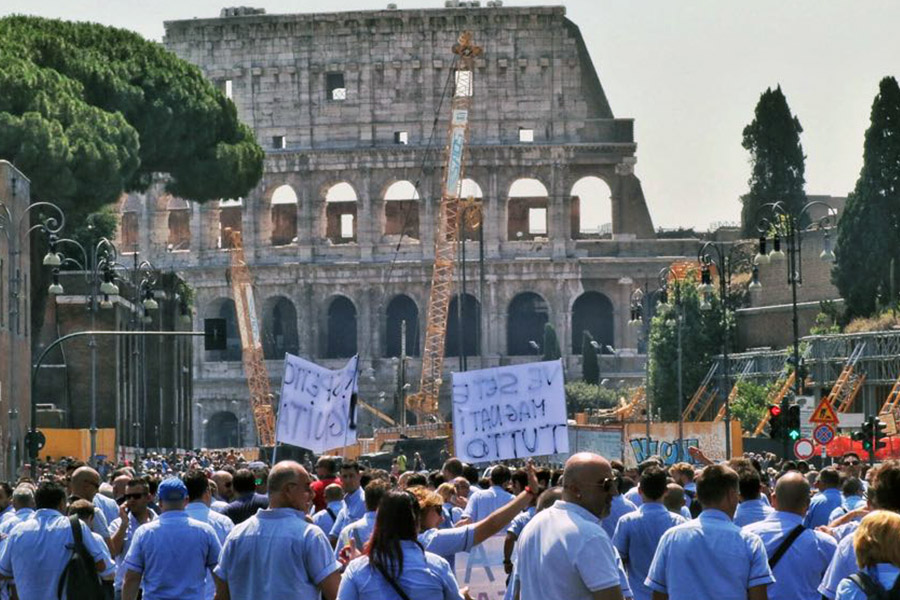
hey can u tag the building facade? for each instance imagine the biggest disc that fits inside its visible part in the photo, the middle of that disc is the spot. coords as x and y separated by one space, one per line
352 109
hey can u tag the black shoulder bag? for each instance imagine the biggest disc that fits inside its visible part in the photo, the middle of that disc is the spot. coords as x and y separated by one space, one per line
872 588
390 580
785 544
79 580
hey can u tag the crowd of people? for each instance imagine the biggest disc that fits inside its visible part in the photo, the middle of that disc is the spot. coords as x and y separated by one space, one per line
205 526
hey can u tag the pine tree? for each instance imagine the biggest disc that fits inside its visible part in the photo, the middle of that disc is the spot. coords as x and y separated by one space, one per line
551 343
869 229
590 364
773 140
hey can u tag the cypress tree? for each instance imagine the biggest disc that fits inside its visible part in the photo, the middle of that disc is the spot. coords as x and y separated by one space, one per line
590 365
551 343
776 156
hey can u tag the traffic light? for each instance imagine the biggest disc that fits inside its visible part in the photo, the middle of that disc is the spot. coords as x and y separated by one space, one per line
776 425
864 435
793 422
871 434
878 433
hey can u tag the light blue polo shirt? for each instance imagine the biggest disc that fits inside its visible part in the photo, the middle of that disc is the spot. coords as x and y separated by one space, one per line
751 511
173 553
618 507
483 502
520 521
325 521
425 576
820 507
800 570
565 545
843 565
708 557
634 496
447 542
276 554
884 573
108 506
16 518
636 537
359 531
221 524
37 551
849 503
452 514
126 545
353 508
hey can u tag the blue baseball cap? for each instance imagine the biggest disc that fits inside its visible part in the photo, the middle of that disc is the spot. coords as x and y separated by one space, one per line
171 490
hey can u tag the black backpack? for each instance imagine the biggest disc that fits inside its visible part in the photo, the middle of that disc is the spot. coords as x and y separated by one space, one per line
79 580
872 588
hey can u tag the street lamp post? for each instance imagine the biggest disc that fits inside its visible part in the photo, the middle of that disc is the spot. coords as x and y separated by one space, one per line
13 227
784 223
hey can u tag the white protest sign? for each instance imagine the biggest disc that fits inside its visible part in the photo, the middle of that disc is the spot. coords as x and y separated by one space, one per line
510 412
317 410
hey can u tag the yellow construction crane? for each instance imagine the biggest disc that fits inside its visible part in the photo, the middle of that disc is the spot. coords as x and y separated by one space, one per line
425 401
251 343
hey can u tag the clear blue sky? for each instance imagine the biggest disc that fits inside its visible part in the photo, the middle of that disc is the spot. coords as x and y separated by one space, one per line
688 71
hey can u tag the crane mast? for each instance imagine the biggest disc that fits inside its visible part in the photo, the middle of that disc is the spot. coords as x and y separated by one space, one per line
425 401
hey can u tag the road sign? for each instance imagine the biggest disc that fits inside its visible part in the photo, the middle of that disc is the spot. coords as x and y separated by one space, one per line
824 413
823 434
804 449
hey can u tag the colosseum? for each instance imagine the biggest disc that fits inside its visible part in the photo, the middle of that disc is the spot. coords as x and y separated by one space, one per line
352 111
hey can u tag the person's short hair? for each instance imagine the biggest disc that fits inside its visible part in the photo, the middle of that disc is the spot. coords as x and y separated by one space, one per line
426 498
7 488
374 492
416 479
673 499
435 479
653 461
500 475
23 495
548 498
887 486
830 477
197 484
520 477
333 492
849 454
351 465
327 463
878 539
749 483
244 481
446 491
153 484
714 483
82 508
139 481
470 472
851 487
653 482
49 494
454 466
543 476
683 468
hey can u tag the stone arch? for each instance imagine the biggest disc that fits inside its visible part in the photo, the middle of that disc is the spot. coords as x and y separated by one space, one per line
279 334
178 220
341 328
129 233
230 217
471 317
401 210
223 430
592 312
525 319
527 210
591 208
283 212
223 308
341 203
402 308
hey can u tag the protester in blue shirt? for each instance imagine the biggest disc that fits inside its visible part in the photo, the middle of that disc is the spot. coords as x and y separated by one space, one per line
359 531
851 491
800 568
170 556
452 512
23 506
38 549
710 557
354 503
638 533
199 508
84 484
563 553
325 518
752 508
395 560
483 502
107 505
134 512
828 498
277 553
619 507
877 544
246 501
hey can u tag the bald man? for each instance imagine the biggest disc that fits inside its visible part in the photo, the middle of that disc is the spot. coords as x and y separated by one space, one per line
276 553
84 484
803 554
568 540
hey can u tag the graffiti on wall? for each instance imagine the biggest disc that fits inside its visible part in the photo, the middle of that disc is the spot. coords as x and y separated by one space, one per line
664 441
642 449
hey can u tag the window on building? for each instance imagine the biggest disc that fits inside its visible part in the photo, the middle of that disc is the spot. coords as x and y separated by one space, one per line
179 222
341 338
129 231
528 312
591 209
334 85
284 216
526 210
401 210
401 137
526 136
340 213
279 142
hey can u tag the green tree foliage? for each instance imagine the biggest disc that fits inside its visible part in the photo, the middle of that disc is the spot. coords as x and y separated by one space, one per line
701 333
582 396
88 111
869 229
749 406
776 156
551 343
590 364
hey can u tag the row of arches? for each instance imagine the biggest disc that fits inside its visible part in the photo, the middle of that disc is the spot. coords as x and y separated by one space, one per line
526 316
527 202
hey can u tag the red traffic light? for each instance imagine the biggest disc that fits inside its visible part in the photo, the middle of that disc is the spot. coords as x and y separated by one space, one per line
774 410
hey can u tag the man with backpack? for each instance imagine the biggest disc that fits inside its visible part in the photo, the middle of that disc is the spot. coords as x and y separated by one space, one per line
39 551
